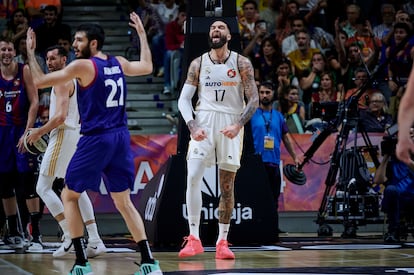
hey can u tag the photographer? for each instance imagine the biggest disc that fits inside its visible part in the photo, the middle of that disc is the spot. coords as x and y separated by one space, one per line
398 179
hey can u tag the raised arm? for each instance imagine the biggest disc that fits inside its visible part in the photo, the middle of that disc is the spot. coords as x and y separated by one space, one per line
144 66
82 69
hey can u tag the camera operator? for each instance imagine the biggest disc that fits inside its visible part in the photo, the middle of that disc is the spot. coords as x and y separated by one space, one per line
398 179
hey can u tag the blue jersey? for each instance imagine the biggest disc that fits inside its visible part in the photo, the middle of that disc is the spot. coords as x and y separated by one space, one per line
400 175
14 102
102 103
268 123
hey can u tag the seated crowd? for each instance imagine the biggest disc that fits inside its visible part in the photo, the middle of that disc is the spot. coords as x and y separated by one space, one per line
319 62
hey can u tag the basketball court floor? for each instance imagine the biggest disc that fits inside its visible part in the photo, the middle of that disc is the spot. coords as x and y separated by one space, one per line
294 254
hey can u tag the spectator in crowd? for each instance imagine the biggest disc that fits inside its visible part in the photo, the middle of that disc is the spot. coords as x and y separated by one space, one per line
270 14
314 12
310 80
376 118
327 89
402 16
174 41
35 9
387 13
292 109
350 60
360 79
284 77
50 30
65 41
167 11
252 49
247 22
302 57
289 11
289 44
353 17
269 129
265 61
399 55
16 26
369 44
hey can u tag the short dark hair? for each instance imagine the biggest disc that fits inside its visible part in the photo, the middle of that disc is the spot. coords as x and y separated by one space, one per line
404 26
268 84
222 20
250 2
51 8
61 50
93 32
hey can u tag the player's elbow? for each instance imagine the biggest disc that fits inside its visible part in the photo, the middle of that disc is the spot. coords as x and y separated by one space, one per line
60 119
148 68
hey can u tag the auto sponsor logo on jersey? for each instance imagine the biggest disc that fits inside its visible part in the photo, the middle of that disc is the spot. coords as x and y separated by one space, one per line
221 83
211 188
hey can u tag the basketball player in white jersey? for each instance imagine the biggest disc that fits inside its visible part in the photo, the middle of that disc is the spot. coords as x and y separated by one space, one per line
64 129
223 79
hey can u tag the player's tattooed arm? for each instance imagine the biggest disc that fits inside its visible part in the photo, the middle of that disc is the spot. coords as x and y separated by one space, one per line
250 89
193 72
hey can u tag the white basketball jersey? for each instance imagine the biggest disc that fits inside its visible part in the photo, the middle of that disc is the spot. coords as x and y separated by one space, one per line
219 87
72 119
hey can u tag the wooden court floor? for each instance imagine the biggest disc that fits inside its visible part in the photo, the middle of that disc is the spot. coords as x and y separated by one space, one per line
303 255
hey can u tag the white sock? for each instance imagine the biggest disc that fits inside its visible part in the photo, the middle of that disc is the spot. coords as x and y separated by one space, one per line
223 232
64 225
93 232
194 224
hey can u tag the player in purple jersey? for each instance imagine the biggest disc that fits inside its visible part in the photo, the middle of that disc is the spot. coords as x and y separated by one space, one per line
105 143
18 109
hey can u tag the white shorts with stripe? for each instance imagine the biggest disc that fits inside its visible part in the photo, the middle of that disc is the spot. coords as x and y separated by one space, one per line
61 147
217 148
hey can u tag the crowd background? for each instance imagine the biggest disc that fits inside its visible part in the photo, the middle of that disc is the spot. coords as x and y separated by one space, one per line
324 49
317 47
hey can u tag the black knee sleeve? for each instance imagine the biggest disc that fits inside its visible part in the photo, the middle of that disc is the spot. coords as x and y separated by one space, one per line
29 181
7 184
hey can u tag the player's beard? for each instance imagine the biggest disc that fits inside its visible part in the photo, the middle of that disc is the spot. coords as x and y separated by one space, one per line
265 102
85 53
218 45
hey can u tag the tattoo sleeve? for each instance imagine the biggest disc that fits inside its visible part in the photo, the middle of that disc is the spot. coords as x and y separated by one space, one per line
250 89
193 72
